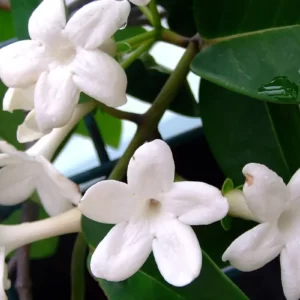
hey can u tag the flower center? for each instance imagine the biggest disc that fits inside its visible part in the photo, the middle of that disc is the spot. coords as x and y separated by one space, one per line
289 224
153 207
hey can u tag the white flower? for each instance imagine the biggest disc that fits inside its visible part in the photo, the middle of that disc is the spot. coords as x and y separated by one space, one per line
63 59
277 207
152 213
140 2
15 236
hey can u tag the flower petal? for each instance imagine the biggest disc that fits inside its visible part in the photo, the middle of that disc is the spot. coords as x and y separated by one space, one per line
109 202
255 248
177 252
100 76
28 131
7 148
122 252
265 192
4 282
294 187
56 192
17 183
195 203
109 47
151 169
47 22
55 98
140 2
16 98
290 270
21 63
94 23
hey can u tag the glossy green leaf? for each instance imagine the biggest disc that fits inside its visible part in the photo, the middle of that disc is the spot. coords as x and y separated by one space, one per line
39 249
180 16
6 25
211 284
110 128
22 10
264 65
145 81
128 32
218 18
241 130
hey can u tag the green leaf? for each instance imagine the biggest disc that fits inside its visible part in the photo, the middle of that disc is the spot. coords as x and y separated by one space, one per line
6 25
211 284
180 16
22 10
242 130
128 32
218 18
226 223
110 128
145 81
39 249
263 65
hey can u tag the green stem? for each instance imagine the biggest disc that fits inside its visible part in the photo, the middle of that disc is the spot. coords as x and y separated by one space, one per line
136 54
154 114
147 13
139 39
174 38
78 268
155 15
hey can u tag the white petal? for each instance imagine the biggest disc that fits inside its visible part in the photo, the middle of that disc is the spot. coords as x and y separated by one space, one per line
238 206
177 252
140 2
109 47
100 76
55 98
195 203
28 131
22 63
255 248
16 183
151 169
109 201
16 98
4 282
265 192
7 148
122 252
290 270
294 187
57 193
93 24
47 22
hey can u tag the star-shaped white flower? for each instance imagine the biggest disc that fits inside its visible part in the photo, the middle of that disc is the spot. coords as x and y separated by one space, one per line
277 207
21 173
151 213
63 59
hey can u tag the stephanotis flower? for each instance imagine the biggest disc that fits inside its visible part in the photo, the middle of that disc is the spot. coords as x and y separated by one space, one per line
63 59
15 236
277 207
151 213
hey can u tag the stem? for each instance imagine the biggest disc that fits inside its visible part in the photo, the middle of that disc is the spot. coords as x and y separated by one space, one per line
155 15
174 38
49 143
136 54
139 39
146 11
78 268
154 114
15 236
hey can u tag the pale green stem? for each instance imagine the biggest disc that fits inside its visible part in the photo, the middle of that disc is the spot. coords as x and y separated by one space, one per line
140 39
147 13
155 14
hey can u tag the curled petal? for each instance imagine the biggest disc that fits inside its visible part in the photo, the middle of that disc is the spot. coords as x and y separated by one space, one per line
140 2
294 188
265 192
195 203
290 270
122 252
177 252
255 248
151 169
100 76
109 202
96 22
28 131
22 63
56 192
55 98
16 98
47 22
